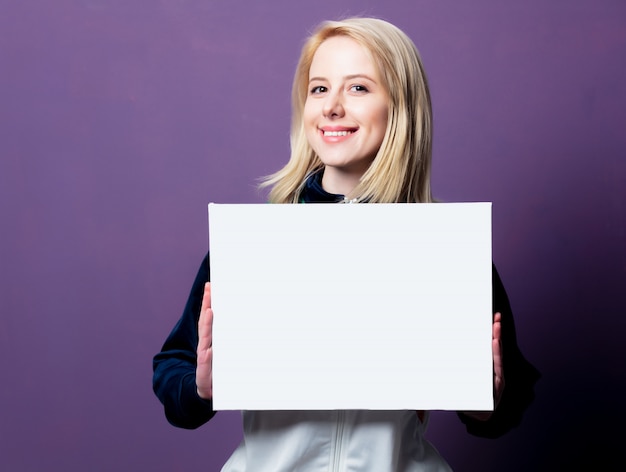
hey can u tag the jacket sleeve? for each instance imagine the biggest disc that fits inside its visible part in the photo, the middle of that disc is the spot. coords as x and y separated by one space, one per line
174 368
519 375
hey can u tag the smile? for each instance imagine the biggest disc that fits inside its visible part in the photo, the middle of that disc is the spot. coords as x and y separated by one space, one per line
337 133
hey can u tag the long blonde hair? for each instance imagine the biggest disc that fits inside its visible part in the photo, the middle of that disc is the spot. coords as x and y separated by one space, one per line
400 171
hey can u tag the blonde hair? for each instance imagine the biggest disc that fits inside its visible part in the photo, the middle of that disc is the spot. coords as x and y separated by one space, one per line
400 171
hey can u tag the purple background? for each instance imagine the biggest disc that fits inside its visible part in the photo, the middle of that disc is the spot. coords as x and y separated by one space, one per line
121 119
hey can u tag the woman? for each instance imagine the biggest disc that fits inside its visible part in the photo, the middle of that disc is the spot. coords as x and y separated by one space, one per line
361 132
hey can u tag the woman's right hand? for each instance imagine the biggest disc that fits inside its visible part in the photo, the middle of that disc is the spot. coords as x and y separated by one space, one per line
204 368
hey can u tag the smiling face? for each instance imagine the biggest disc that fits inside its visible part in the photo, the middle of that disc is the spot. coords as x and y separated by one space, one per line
345 113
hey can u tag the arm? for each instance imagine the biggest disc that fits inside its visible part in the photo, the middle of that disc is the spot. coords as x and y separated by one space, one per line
174 368
514 376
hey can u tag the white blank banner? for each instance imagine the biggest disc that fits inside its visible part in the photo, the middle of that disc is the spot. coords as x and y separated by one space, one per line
356 306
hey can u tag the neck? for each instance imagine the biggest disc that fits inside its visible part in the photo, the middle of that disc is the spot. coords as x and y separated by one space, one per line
340 182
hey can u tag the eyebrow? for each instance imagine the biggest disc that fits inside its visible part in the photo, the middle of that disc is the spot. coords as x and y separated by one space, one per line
347 77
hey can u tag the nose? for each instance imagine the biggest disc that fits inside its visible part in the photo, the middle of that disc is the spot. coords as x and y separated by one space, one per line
333 106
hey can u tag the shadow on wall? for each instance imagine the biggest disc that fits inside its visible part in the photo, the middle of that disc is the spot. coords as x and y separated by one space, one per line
578 421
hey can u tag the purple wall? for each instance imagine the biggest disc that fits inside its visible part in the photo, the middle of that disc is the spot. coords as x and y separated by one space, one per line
121 119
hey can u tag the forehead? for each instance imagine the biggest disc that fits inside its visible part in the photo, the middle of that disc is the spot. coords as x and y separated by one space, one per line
343 56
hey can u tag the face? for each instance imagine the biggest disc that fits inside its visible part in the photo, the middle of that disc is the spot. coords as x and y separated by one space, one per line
346 111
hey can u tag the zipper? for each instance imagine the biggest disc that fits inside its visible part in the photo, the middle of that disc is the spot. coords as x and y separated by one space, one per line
338 445
348 200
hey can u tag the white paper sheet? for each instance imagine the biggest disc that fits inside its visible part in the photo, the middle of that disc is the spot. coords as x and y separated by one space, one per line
379 306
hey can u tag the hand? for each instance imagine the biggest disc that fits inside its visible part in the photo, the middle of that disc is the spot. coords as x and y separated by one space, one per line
498 365
204 368
498 370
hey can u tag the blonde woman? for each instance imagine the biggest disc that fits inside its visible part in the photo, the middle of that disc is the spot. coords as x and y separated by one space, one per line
400 165
361 132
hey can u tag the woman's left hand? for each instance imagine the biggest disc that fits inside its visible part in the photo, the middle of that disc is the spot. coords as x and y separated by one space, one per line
498 369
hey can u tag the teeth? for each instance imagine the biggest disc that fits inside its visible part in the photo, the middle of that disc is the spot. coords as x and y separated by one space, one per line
337 133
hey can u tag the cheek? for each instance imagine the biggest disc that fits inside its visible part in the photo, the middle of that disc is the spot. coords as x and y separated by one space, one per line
309 124
307 117
309 112
380 121
374 115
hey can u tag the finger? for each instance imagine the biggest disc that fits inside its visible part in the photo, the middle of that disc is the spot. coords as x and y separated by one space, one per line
204 374
205 323
498 366
205 329
497 344
497 325
496 347
206 296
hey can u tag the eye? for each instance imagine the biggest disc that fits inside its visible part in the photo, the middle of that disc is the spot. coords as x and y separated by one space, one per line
318 89
359 88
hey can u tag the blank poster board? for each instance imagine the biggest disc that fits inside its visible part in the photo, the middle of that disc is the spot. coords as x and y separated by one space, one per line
356 306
